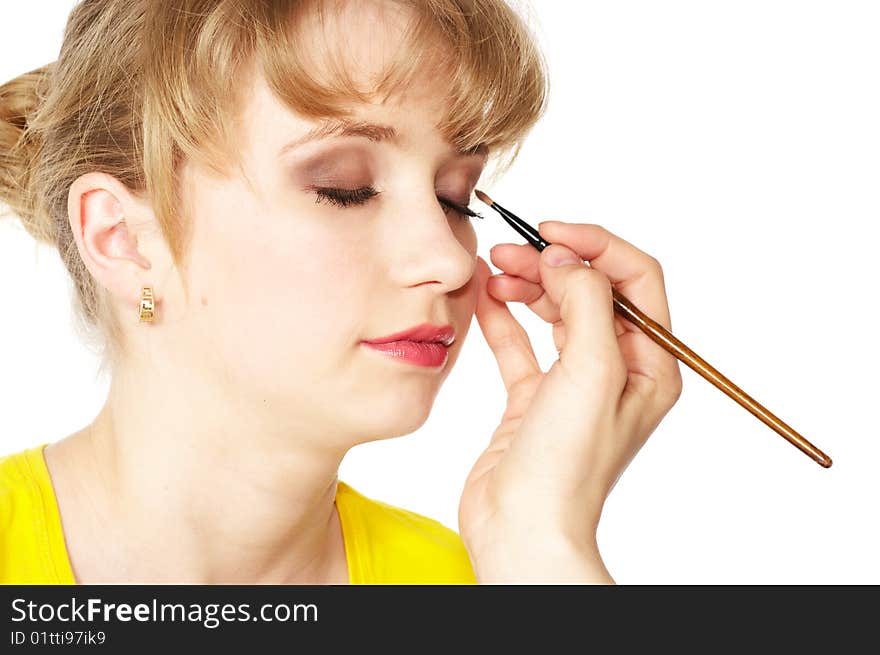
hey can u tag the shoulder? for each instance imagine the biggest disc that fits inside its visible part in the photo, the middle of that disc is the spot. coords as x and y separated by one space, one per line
22 520
393 545
16 485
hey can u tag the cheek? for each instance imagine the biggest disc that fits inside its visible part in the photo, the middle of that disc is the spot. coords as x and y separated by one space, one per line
283 311
298 300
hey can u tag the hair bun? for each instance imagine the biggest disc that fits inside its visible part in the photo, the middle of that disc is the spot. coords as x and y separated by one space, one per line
20 149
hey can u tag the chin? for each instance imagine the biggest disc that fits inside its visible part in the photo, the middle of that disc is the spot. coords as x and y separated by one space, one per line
395 415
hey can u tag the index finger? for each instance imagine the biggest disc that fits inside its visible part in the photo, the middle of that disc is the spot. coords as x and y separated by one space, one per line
635 273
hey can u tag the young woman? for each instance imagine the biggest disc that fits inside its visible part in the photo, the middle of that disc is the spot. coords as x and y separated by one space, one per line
248 195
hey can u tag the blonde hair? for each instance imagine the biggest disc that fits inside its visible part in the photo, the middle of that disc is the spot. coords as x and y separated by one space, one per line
140 86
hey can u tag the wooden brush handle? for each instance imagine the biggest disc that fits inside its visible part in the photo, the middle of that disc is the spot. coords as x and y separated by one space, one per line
669 342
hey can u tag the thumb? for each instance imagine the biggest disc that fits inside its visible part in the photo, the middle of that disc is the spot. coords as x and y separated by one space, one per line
586 305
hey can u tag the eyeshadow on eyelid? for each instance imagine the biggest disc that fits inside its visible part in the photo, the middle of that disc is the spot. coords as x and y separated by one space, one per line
333 176
333 168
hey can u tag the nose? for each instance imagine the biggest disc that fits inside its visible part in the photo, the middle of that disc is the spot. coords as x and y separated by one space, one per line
429 247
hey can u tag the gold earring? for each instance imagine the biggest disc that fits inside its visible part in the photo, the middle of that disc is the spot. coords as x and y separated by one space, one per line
146 309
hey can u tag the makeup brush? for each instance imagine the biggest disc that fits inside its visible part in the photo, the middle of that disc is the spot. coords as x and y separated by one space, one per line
671 344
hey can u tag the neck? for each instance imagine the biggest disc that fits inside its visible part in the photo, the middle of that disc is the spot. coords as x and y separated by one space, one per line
189 486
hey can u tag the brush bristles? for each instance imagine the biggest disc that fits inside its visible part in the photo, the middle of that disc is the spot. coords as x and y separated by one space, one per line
482 196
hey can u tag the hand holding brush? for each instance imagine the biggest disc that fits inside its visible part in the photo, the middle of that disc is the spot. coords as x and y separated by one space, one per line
531 504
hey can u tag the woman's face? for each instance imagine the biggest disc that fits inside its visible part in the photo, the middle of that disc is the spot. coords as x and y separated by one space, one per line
286 283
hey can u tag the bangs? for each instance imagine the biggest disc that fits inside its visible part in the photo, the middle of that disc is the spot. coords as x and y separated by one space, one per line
479 55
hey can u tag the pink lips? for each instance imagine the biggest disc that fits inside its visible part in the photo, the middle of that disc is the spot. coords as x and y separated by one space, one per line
422 345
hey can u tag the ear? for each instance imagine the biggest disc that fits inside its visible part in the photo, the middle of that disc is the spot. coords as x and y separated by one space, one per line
104 216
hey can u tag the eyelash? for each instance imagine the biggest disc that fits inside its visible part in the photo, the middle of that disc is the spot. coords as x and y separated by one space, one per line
347 197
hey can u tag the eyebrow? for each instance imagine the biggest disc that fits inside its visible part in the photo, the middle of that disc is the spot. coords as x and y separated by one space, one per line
372 131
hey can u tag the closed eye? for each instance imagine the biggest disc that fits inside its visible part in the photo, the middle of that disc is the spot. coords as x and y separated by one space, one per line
344 197
349 197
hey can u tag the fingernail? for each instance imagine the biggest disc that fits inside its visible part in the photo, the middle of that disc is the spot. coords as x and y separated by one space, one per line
562 257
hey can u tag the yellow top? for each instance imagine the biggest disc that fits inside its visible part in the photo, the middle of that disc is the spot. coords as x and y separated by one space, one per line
383 544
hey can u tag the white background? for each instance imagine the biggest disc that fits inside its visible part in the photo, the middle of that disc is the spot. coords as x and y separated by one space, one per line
737 142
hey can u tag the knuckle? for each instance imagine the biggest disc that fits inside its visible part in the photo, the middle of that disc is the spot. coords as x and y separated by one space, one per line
581 275
660 391
673 391
646 387
670 389
655 265
582 282
675 378
591 278
507 339
676 388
